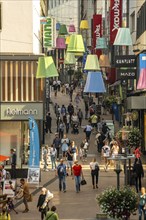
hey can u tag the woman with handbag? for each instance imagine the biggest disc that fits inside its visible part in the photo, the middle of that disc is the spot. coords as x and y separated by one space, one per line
43 202
142 204
94 167
77 172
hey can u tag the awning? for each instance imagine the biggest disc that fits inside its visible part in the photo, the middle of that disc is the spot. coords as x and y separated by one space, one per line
3 158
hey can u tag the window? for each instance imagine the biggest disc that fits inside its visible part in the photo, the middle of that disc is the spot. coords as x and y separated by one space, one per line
133 22
0 15
141 20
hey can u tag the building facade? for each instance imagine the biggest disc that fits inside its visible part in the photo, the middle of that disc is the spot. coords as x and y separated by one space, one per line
21 94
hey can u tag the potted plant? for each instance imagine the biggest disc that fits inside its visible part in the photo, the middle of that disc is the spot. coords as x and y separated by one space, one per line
134 138
118 204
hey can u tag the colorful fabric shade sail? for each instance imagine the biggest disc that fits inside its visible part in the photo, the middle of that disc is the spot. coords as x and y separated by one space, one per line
94 83
46 68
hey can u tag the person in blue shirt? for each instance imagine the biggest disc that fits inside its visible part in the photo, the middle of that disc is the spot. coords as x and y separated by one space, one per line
61 173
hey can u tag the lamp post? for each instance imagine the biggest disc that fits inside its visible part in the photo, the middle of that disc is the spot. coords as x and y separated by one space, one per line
118 171
117 159
125 134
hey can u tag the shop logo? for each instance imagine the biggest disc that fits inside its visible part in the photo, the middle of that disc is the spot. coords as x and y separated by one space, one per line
16 111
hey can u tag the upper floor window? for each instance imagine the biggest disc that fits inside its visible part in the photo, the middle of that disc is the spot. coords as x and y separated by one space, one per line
133 21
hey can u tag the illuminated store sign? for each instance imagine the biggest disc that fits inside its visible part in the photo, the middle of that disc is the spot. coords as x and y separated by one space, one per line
16 111
21 111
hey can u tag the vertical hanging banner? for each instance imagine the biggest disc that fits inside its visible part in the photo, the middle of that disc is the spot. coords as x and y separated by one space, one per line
97 28
115 18
49 33
34 157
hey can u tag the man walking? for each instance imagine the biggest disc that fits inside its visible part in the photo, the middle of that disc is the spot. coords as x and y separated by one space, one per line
45 157
61 173
57 144
13 164
48 123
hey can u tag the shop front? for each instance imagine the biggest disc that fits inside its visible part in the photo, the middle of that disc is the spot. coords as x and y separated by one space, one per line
14 128
138 104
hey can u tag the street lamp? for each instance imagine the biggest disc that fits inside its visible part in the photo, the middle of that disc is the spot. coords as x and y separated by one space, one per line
125 135
118 171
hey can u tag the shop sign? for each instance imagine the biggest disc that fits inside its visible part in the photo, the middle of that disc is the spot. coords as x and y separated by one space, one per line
125 61
115 18
97 28
21 111
49 33
126 74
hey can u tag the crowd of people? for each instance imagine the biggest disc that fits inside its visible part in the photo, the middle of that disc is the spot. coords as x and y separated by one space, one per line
67 155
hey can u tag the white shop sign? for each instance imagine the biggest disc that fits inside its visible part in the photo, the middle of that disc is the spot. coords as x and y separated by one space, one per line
21 111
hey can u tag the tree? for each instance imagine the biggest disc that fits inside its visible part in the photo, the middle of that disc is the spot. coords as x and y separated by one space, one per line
118 204
135 137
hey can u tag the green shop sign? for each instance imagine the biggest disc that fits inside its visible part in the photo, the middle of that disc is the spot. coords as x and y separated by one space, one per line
48 33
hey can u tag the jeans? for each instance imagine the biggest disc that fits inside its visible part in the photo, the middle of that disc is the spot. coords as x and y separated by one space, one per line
70 164
138 183
53 162
62 183
140 211
45 163
77 183
94 175
57 152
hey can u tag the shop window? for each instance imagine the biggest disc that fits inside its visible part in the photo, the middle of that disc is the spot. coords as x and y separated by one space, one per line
133 22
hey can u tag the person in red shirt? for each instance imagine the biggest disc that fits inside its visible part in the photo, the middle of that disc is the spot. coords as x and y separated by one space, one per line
137 152
77 172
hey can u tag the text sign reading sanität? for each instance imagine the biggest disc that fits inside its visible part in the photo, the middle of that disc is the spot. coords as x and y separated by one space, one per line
125 61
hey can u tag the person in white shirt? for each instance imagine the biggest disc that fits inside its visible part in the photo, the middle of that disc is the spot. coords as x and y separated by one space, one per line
88 130
94 167
106 151
53 154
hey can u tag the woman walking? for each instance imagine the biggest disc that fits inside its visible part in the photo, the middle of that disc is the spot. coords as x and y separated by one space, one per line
41 200
77 172
94 167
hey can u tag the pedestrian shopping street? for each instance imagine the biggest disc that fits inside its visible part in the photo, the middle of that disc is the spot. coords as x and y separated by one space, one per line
71 205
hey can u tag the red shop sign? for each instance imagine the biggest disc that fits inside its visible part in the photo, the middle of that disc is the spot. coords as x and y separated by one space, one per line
97 28
115 18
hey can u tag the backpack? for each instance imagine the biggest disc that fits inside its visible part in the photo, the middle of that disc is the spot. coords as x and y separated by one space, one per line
96 167
61 170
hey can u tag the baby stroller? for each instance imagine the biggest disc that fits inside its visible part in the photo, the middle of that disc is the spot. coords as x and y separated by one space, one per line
75 128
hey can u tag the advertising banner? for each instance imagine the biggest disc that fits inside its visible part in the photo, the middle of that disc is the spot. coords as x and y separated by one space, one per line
49 33
97 28
115 18
34 157
33 175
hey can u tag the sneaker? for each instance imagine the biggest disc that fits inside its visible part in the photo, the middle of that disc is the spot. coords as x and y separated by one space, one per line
64 191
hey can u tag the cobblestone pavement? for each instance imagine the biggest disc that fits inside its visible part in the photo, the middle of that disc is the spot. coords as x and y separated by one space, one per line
72 205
